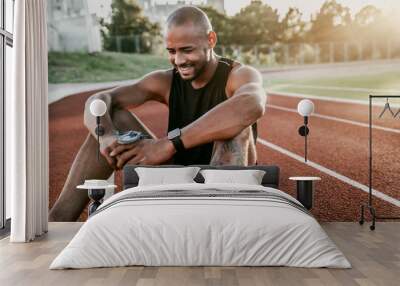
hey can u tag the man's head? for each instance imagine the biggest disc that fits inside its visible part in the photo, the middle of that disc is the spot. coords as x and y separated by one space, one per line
190 41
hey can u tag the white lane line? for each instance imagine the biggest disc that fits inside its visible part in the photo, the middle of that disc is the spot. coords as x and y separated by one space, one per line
344 88
338 119
329 98
329 172
279 86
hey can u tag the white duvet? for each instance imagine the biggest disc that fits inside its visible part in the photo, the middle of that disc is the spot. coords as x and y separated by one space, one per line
200 231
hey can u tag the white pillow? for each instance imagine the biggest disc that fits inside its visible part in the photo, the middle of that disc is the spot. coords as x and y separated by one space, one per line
163 176
248 177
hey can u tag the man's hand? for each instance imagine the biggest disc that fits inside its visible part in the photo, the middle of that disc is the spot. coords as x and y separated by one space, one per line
107 145
144 152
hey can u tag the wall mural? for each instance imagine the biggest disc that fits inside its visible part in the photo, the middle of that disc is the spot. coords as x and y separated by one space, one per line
334 56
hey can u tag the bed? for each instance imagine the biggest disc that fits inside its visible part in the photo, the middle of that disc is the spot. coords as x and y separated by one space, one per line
201 224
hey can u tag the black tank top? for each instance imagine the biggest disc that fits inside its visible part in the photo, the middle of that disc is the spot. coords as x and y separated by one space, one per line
186 104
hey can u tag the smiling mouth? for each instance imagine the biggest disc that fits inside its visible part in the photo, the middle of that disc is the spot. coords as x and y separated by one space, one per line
185 69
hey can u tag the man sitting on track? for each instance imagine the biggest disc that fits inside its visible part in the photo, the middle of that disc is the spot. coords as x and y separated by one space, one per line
213 105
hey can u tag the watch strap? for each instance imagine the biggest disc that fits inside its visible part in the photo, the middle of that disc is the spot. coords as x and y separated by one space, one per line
178 144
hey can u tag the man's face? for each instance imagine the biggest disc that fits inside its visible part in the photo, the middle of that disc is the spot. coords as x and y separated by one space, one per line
189 50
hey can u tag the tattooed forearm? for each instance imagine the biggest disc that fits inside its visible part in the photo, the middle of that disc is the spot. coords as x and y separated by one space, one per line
230 153
240 150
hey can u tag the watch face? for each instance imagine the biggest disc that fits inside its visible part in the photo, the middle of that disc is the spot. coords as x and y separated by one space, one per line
174 133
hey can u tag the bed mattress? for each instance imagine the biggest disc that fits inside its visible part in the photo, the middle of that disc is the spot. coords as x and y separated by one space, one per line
201 225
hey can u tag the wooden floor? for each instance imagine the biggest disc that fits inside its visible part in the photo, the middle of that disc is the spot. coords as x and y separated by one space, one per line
375 257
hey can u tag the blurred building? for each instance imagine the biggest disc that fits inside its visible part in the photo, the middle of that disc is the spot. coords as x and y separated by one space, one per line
158 12
73 25
218 5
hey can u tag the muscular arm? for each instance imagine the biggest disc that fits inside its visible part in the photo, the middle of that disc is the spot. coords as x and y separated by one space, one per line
150 87
246 104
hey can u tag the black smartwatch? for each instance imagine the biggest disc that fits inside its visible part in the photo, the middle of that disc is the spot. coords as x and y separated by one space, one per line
175 137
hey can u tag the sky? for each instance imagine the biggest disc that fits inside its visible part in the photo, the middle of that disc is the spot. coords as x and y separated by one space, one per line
307 7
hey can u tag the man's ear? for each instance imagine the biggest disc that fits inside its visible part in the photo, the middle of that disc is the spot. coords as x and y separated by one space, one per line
212 39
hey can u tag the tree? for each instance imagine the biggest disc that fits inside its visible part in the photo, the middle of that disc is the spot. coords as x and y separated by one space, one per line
369 24
293 26
129 30
331 23
367 16
373 32
256 24
221 23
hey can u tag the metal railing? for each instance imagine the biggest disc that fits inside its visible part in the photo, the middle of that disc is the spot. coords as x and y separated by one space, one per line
311 53
275 54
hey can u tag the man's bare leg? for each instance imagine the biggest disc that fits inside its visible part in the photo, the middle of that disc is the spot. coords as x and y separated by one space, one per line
240 150
70 203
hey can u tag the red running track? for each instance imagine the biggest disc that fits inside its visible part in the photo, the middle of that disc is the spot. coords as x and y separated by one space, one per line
338 146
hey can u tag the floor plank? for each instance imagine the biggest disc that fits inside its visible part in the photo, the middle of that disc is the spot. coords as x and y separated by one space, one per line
375 257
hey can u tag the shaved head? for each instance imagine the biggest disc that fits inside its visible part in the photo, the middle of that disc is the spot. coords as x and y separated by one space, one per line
190 41
190 15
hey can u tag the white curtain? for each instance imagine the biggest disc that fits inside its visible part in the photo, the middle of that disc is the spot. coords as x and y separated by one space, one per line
27 124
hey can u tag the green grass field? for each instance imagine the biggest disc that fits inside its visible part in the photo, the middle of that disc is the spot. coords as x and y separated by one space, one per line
351 87
108 66
101 67
386 80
